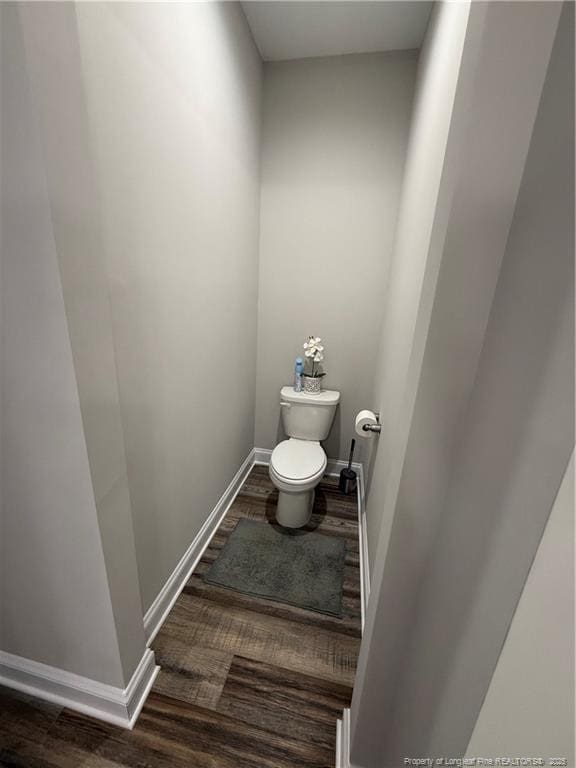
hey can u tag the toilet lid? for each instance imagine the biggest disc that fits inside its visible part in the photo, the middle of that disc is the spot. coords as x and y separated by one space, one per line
298 459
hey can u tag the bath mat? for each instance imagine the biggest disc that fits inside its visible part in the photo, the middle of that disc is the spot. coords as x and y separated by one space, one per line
301 568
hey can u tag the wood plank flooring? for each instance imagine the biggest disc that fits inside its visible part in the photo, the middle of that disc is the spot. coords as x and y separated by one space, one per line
244 683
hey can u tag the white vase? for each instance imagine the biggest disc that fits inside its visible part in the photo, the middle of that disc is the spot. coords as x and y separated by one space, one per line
312 384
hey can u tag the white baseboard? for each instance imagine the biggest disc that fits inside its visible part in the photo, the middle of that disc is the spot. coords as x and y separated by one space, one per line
335 465
122 706
162 605
363 536
343 741
105 702
262 456
119 706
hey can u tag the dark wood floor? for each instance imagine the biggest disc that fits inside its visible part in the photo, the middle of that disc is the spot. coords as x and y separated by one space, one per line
244 682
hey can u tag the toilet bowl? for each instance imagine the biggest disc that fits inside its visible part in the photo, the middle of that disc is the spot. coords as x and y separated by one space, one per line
298 464
296 468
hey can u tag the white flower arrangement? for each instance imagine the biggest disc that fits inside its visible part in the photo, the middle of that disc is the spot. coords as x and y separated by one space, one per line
313 351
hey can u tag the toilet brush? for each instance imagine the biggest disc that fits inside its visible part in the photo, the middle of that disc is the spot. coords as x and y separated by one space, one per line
348 477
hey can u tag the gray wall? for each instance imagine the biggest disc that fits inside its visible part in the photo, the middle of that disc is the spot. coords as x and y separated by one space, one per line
147 129
151 118
333 147
515 441
430 123
173 100
529 707
56 601
445 75
54 65
397 703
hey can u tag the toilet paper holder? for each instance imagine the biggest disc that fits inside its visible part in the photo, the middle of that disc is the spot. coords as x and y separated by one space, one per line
373 427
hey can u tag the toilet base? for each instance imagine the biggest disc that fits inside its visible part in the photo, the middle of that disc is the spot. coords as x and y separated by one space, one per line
294 509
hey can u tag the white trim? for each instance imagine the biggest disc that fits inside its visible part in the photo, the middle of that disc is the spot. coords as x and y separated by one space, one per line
363 537
262 456
333 470
105 702
343 740
335 465
162 605
122 706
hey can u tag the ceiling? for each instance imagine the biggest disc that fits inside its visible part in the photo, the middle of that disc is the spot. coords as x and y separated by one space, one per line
295 30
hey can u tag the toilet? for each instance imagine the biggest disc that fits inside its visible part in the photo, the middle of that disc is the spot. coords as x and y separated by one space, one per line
297 464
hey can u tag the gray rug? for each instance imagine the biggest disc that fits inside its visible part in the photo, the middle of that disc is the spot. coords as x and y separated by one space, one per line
300 568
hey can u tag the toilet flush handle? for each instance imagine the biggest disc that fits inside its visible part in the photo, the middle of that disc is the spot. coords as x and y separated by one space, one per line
283 404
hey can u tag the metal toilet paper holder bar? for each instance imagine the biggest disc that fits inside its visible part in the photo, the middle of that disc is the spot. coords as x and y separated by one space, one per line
373 427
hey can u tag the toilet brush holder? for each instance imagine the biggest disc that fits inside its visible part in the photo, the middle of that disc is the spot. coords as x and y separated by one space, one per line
348 478
348 481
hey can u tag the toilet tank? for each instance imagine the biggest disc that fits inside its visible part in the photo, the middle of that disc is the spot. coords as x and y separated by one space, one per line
306 416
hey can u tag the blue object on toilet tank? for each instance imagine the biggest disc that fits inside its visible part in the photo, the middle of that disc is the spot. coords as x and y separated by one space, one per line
299 368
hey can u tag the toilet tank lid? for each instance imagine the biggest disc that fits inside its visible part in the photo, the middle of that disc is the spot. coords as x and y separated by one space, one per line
326 397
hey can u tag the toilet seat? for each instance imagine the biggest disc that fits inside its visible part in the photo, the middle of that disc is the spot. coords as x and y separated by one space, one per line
298 463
